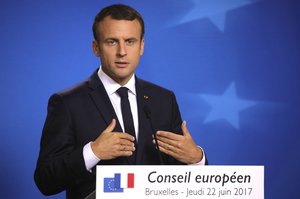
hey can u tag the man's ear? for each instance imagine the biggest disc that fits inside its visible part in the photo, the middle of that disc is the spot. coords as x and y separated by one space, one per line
142 47
96 48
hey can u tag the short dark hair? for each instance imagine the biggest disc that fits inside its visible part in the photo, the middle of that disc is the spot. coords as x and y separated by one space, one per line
118 12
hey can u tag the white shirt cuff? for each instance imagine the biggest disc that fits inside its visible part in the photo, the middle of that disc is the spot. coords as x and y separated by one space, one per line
90 159
202 162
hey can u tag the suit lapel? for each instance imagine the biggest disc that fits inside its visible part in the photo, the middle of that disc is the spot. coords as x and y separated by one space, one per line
101 101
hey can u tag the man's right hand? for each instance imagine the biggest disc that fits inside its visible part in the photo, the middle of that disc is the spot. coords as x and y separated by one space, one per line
110 145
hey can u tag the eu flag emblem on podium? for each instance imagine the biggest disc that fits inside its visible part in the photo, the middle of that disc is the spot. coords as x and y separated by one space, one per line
116 184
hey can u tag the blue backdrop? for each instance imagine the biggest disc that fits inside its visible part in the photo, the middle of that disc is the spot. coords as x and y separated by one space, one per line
233 64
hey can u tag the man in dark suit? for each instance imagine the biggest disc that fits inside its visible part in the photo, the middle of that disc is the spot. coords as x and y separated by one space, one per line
85 124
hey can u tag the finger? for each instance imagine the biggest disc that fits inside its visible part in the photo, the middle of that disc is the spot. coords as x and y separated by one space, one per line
126 136
126 142
168 147
162 145
169 150
185 129
124 153
111 126
169 135
126 148
167 141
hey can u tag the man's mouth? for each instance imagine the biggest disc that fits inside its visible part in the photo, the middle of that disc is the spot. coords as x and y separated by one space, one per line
121 64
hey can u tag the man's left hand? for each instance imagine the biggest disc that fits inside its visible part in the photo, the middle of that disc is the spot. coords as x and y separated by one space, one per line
181 147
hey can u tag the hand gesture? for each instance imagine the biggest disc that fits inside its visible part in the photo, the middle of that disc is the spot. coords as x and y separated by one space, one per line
181 147
110 145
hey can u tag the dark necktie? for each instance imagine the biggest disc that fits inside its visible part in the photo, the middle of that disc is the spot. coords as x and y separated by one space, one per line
127 115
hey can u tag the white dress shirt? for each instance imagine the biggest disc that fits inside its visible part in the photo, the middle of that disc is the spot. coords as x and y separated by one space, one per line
111 87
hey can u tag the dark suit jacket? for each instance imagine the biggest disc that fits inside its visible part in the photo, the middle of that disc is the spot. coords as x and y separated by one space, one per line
78 115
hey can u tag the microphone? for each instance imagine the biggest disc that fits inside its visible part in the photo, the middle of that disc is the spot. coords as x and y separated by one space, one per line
148 115
92 195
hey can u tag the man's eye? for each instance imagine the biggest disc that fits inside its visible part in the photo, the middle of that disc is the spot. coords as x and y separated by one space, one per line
130 42
111 42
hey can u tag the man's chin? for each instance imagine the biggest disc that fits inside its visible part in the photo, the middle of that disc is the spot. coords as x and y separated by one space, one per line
122 78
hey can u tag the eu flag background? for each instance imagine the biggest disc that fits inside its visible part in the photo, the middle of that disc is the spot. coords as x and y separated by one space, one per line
234 66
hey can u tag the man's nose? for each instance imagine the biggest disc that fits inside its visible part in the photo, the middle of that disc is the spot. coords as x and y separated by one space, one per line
122 49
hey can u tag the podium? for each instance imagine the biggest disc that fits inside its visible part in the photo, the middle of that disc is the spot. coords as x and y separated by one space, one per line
182 181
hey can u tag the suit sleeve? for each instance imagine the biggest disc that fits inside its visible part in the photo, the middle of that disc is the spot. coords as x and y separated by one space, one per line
60 164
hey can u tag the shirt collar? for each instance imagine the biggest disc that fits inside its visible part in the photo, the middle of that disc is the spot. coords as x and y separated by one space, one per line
111 86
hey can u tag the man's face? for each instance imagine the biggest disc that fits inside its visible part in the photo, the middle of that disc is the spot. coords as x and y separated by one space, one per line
120 47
